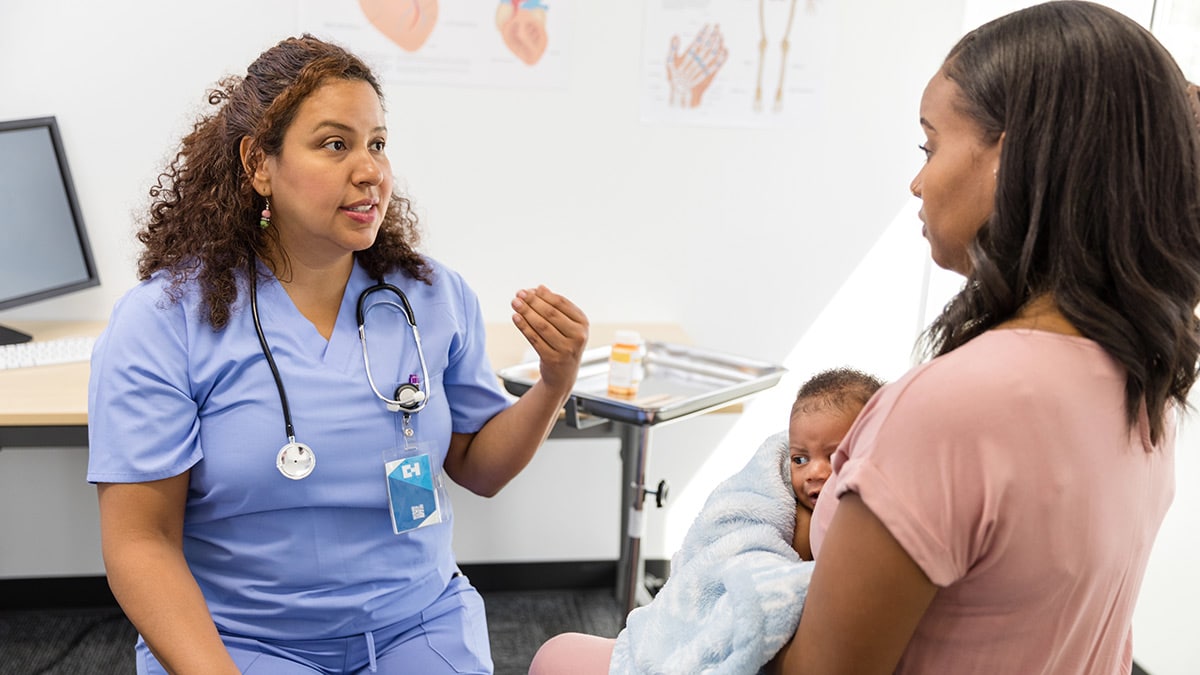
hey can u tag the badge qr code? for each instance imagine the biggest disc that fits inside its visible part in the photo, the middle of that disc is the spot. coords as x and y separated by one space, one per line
412 493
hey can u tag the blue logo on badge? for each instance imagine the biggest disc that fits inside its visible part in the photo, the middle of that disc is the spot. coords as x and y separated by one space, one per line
412 493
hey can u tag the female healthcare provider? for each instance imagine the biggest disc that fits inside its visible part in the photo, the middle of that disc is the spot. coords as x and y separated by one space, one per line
273 407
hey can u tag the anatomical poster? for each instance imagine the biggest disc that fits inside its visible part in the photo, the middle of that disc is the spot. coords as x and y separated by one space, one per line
494 43
735 63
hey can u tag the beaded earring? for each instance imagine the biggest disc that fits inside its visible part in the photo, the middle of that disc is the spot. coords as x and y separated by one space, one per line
265 220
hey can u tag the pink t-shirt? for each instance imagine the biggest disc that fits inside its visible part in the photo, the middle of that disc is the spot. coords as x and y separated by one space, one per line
1006 469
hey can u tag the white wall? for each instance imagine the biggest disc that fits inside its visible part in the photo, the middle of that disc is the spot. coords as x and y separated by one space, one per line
796 246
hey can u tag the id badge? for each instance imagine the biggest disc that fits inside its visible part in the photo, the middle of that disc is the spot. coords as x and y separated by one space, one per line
416 495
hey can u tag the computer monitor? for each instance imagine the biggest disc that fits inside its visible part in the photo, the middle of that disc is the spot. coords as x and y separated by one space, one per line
44 250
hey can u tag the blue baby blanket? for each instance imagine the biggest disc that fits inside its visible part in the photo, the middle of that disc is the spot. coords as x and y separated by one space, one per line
736 587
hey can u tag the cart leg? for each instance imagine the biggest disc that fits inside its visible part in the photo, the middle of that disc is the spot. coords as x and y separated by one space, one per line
631 585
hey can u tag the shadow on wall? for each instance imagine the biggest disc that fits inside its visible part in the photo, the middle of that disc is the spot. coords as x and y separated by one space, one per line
871 323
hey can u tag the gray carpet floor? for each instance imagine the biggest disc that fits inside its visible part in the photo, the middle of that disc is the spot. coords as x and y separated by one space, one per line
100 641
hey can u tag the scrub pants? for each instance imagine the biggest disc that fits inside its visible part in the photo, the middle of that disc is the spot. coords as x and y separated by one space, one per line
448 637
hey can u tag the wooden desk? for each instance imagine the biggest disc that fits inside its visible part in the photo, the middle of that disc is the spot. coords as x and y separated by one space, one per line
46 405
506 346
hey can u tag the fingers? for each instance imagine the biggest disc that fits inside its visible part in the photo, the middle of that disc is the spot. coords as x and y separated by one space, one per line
550 321
714 48
557 330
701 38
703 57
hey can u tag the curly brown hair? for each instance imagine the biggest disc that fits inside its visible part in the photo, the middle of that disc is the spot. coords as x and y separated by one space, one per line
204 212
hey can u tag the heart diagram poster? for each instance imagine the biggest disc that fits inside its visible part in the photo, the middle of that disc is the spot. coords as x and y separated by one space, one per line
494 43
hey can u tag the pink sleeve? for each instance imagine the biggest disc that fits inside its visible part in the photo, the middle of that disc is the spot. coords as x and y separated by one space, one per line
928 458
995 468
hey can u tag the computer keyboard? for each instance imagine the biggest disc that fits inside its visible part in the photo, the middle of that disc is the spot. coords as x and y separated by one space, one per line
46 352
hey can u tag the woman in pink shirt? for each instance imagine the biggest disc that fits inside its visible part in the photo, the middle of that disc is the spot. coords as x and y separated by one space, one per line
993 510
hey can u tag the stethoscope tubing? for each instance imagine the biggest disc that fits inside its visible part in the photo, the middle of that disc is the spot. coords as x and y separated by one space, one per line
408 407
360 313
266 350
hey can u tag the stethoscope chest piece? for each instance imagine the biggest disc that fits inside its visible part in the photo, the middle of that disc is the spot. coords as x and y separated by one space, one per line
295 460
408 397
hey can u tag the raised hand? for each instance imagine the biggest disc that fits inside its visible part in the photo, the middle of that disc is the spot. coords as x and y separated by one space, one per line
557 330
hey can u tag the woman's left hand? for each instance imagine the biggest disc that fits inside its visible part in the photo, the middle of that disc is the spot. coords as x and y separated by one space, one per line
557 330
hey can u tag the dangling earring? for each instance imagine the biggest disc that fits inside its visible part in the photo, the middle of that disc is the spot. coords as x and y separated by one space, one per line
265 220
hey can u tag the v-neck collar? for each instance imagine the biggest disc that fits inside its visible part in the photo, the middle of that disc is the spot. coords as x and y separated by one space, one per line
283 321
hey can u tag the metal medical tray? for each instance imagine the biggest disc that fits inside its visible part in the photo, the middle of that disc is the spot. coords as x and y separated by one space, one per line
679 381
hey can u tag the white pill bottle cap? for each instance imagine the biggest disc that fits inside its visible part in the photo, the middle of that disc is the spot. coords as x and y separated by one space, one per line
628 337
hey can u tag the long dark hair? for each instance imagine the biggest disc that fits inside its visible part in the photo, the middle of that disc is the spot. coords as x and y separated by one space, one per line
1097 196
204 212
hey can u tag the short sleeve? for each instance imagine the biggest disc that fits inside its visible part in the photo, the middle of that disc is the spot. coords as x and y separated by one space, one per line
472 387
142 419
920 459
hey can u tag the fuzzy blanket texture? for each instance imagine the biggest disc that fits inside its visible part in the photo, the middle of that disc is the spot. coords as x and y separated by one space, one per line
736 586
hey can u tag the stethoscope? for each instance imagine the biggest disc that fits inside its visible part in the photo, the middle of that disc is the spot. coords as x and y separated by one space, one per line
296 460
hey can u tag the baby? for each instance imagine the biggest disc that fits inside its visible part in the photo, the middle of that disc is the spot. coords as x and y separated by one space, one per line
825 408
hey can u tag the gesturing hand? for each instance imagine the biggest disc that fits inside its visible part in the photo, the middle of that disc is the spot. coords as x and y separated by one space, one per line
557 330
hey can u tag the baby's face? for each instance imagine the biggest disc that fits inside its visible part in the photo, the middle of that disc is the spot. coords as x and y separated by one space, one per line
813 436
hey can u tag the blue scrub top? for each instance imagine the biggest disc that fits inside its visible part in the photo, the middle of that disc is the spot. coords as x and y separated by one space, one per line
279 558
